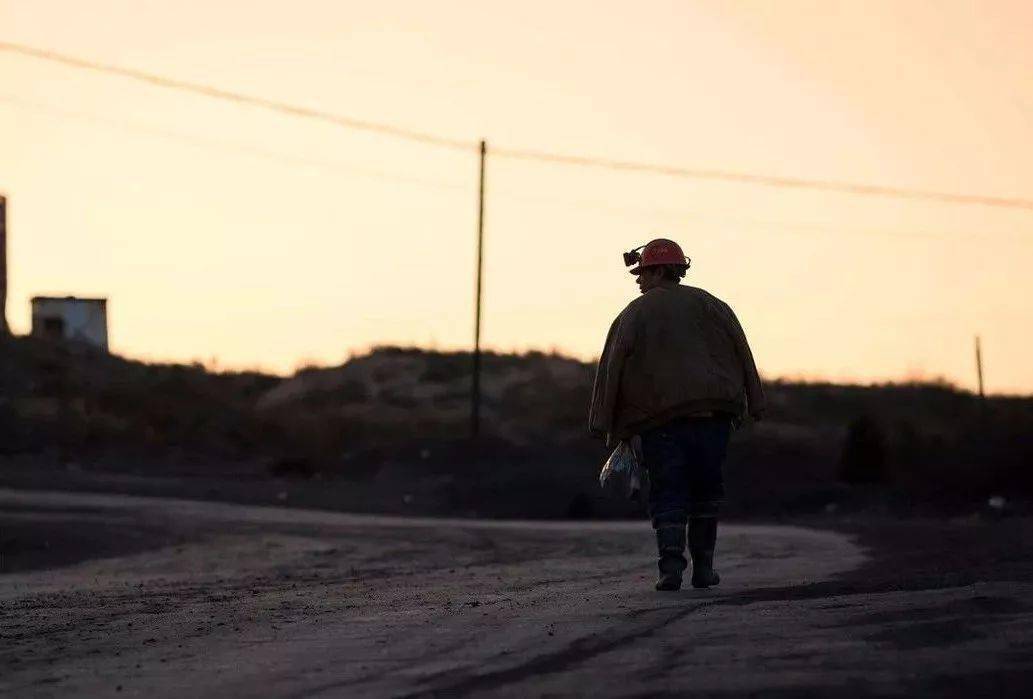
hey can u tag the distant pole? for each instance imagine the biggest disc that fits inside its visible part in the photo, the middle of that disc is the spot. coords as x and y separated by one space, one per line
4 328
979 366
475 391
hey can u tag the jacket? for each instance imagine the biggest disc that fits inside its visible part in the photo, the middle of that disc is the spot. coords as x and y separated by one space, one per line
674 351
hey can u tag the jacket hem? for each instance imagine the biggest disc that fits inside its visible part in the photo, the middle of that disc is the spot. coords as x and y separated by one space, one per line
732 408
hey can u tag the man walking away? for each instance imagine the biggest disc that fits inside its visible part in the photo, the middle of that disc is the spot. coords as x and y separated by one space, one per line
677 371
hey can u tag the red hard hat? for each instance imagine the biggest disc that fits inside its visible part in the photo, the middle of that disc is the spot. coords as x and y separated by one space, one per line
661 252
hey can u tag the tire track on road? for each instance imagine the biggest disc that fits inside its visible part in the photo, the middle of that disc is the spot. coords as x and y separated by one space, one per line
575 653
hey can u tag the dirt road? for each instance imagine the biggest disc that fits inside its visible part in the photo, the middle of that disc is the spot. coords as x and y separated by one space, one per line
123 596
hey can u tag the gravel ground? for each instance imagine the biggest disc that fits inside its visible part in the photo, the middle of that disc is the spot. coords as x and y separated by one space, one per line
110 595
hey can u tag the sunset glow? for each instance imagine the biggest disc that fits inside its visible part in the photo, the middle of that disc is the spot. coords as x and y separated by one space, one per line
242 238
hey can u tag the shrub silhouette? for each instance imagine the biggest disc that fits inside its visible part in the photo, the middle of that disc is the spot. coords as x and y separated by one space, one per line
864 452
370 421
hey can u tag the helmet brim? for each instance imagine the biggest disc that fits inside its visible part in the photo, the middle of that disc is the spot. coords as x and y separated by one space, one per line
638 269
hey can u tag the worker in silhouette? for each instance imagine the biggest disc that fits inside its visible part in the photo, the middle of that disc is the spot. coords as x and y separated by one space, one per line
676 372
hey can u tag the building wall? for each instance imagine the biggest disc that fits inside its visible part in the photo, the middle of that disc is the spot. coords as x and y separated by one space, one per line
85 320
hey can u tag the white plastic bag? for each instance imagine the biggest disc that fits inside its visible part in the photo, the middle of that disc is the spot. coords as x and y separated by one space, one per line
623 471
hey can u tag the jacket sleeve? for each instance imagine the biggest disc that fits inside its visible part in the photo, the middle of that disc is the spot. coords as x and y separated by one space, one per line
756 403
603 410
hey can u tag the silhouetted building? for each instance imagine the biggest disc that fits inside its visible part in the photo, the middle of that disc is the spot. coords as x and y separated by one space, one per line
71 318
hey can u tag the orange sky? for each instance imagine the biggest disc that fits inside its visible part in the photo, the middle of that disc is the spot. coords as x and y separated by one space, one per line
221 232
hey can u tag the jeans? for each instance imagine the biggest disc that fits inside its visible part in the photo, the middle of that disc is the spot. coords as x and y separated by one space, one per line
684 458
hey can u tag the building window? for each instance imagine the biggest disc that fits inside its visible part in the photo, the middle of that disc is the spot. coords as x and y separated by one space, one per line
54 328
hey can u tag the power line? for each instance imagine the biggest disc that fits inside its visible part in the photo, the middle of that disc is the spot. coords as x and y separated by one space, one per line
524 154
334 167
793 227
239 98
766 180
598 206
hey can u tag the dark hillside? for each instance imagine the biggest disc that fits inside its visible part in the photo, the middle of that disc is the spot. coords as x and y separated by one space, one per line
72 400
391 427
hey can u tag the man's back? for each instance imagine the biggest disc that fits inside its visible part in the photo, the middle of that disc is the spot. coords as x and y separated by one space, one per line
674 351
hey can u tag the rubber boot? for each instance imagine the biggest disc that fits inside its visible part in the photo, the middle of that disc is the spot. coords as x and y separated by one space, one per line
670 544
702 539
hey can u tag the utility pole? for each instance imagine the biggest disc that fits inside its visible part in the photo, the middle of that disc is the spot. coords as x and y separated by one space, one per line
475 390
4 328
979 366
